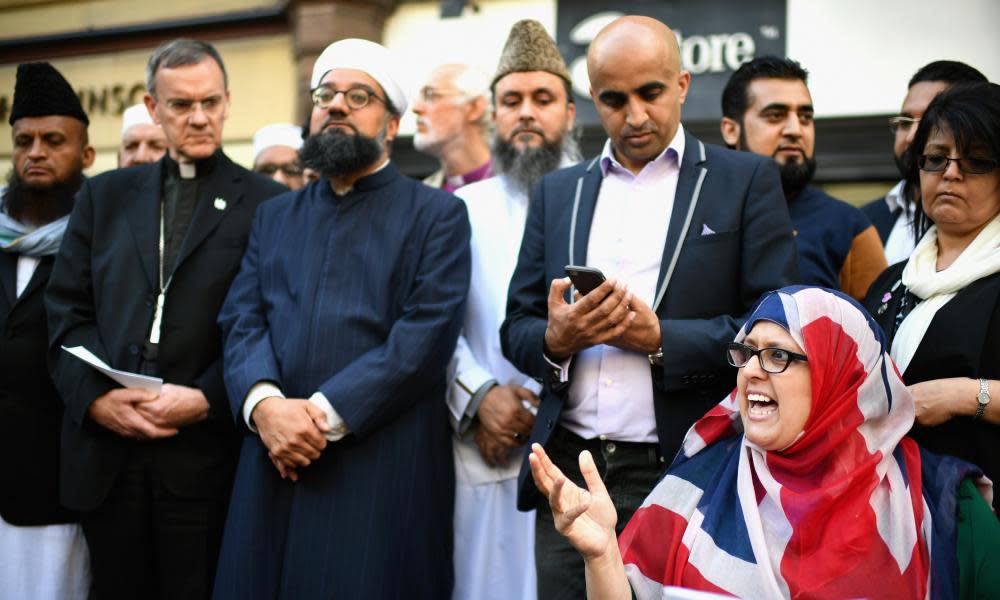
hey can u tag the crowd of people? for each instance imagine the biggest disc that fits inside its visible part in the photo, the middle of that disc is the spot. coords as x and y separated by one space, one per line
324 379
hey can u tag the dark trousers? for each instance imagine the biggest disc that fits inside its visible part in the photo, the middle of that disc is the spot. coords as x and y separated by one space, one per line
146 542
629 471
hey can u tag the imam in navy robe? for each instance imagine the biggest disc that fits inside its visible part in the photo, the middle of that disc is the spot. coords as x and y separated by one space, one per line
359 297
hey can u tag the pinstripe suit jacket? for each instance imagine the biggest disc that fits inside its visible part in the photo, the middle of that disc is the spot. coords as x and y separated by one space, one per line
359 297
706 286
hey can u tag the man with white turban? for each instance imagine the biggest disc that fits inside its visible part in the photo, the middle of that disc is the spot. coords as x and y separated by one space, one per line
143 141
337 332
275 149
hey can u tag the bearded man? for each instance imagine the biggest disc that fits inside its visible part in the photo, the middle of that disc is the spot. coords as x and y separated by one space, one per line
491 401
337 334
44 549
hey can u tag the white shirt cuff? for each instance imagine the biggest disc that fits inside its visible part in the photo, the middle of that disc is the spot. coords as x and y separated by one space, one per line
259 391
338 428
560 370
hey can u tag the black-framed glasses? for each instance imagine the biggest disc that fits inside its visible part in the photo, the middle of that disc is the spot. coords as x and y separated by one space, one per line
269 169
904 124
355 97
935 163
772 360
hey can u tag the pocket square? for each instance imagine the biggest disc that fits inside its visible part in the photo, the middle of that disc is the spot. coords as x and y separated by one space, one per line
706 230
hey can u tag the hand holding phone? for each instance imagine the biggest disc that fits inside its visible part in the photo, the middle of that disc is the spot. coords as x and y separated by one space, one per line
585 279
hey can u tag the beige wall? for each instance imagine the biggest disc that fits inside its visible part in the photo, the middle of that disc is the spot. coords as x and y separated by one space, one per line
29 18
261 81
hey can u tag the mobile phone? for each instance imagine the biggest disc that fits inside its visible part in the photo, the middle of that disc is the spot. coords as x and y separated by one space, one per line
584 279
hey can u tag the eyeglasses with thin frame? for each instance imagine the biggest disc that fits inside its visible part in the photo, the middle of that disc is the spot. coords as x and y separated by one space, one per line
902 124
355 97
772 360
289 169
431 95
936 163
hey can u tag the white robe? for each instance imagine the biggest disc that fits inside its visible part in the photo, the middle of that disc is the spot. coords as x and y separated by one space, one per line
494 542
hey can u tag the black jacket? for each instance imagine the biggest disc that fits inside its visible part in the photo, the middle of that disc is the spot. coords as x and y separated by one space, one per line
102 295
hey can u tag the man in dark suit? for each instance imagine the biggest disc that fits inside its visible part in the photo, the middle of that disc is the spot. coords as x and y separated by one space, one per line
892 214
338 330
689 235
45 553
143 269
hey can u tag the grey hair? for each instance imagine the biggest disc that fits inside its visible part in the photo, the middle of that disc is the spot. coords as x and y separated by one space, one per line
474 83
180 53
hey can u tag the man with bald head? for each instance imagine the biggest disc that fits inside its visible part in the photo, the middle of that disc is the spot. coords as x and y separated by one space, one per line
453 121
688 236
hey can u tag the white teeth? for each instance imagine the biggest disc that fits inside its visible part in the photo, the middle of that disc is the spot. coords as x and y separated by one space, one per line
758 398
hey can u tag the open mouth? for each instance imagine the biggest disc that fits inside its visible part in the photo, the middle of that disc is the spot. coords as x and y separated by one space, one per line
760 406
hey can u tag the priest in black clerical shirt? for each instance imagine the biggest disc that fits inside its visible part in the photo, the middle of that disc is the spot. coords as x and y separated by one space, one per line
338 330
145 264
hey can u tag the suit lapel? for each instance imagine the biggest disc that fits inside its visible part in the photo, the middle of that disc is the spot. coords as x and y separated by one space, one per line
217 195
143 214
689 180
8 277
39 278
588 185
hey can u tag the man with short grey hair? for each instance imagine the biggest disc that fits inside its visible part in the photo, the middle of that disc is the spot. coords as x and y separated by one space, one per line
144 266
453 122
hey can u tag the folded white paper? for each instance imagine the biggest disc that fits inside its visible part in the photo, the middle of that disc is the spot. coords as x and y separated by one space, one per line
133 380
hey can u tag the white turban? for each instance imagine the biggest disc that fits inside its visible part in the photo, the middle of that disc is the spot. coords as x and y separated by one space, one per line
369 57
276 134
135 115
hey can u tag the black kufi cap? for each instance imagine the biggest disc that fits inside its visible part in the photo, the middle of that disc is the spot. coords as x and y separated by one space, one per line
41 91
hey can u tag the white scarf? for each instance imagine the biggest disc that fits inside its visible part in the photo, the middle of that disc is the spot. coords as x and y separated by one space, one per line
936 288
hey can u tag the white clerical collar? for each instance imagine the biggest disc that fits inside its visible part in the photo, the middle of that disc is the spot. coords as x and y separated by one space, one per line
187 170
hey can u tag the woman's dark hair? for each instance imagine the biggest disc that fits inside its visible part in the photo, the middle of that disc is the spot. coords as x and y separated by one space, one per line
971 113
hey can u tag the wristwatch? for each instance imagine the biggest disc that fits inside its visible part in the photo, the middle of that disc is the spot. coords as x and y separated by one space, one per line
983 397
656 358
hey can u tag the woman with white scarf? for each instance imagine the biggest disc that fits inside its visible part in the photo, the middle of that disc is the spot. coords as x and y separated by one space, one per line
941 309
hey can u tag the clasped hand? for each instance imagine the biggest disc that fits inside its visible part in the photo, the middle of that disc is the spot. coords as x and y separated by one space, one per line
292 430
143 414
504 422
609 314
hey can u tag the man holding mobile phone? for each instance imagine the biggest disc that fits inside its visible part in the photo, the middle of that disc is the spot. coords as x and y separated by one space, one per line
689 236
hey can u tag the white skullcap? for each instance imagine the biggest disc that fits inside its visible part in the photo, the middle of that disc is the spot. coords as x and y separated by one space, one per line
276 134
362 55
135 115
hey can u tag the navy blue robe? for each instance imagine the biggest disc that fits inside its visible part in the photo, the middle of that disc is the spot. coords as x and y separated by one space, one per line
359 297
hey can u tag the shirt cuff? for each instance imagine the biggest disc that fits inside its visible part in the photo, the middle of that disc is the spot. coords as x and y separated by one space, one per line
338 427
560 371
259 391
473 407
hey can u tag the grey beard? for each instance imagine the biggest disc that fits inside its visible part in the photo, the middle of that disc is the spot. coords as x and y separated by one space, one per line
525 167
336 154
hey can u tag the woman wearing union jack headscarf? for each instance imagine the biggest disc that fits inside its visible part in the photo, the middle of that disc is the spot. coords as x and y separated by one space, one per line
800 484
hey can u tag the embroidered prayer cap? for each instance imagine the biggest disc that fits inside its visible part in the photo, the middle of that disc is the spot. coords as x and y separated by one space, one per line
41 91
135 115
530 48
369 57
276 134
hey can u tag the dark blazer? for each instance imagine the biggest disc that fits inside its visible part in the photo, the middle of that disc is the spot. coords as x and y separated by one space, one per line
102 294
707 283
963 340
30 409
881 217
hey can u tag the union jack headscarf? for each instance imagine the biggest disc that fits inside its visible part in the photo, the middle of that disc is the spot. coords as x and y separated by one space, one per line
846 511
